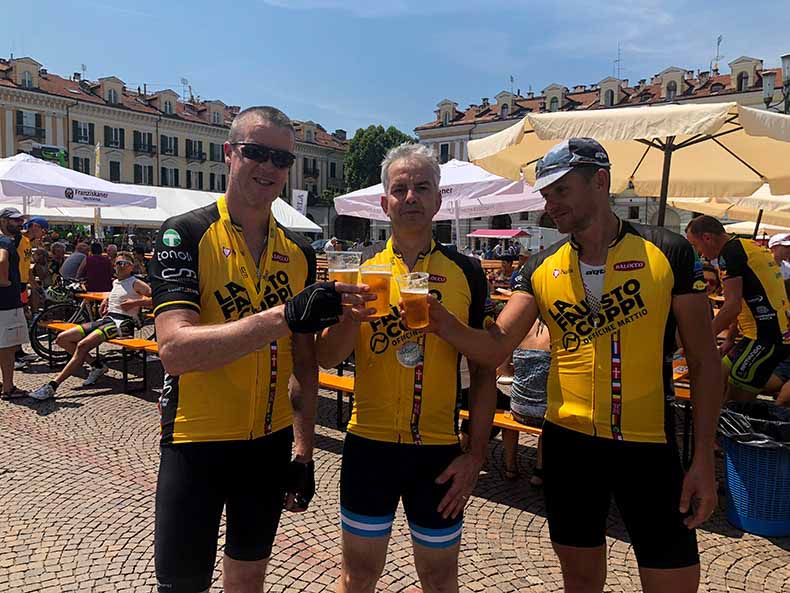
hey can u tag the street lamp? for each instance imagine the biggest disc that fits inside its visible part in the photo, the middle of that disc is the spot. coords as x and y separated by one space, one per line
769 86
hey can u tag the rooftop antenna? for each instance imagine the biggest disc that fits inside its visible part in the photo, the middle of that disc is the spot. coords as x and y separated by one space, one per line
184 85
84 69
719 55
617 64
512 80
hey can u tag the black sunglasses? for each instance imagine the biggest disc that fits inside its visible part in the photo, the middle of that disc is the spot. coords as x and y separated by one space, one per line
282 159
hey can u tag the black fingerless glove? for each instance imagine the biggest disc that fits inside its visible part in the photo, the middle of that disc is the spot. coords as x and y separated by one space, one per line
318 306
301 483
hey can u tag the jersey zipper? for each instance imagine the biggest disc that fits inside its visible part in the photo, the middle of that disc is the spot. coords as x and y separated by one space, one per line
593 389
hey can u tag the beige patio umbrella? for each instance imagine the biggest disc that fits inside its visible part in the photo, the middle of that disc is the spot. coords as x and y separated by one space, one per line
721 149
775 209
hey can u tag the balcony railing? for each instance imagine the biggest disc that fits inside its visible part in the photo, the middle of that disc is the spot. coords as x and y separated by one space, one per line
196 156
80 139
310 172
114 144
145 148
168 150
31 132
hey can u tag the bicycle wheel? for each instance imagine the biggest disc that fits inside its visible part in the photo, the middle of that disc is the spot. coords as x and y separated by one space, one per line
66 312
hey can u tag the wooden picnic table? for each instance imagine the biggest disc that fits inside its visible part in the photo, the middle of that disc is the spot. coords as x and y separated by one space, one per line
93 296
500 297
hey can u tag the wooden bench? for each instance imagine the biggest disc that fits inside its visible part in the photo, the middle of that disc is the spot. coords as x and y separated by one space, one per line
134 348
504 419
341 384
54 327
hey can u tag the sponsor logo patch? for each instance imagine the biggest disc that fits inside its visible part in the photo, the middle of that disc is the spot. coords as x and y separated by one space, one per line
625 266
226 251
171 238
280 257
436 278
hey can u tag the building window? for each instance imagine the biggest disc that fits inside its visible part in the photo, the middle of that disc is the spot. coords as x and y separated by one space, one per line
168 107
200 180
215 152
215 118
444 153
114 137
189 179
672 90
83 165
523 216
554 104
633 212
112 96
505 111
169 177
742 81
30 124
308 135
212 182
333 170
27 80
115 171
608 98
445 119
144 174
382 234
83 132
169 145
716 87
223 182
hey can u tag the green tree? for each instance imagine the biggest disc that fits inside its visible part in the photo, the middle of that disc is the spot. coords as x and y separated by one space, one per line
365 153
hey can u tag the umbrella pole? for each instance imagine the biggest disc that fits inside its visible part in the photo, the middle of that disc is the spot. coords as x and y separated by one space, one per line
662 200
757 225
457 226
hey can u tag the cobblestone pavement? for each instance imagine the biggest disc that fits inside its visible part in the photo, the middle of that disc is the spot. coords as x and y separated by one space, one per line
77 480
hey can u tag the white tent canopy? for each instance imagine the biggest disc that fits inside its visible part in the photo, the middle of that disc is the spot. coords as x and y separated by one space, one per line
747 228
28 181
170 202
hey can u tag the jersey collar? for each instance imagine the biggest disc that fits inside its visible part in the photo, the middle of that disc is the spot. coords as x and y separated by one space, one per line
622 228
396 252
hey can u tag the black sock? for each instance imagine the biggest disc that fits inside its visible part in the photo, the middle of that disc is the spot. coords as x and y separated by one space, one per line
54 385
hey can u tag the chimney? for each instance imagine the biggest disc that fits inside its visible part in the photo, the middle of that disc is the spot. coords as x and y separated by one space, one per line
689 74
624 83
77 77
518 92
485 102
531 95
704 77
340 134
42 72
642 83
579 88
715 69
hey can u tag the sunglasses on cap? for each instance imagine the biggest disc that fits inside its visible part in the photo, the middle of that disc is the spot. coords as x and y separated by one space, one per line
282 159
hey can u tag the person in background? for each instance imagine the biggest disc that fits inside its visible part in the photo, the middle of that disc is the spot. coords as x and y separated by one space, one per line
780 248
523 256
97 270
40 277
119 311
140 263
12 316
505 273
71 265
112 251
57 255
331 245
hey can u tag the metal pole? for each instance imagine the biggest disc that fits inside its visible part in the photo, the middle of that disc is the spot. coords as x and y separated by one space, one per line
757 226
662 200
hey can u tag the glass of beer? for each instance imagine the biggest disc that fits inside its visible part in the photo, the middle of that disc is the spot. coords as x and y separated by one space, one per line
377 277
414 292
343 266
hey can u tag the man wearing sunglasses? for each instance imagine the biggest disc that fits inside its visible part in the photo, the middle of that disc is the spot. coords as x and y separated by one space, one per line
236 314
119 318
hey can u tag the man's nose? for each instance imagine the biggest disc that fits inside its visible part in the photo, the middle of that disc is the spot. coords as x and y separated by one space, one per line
411 196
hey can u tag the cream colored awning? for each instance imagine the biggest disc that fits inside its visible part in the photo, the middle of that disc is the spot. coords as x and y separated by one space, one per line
776 209
720 149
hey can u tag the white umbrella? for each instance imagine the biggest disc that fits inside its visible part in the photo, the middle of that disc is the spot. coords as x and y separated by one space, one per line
467 190
28 181
170 202
747 228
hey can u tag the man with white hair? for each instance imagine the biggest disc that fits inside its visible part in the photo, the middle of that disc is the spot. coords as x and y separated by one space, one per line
780 248
402 440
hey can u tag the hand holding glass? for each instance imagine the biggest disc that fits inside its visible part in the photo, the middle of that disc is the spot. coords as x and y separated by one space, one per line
414 294
377 277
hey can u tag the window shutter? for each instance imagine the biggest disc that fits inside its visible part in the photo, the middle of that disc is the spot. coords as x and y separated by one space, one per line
200 180
212 181
20 118
75 163
39 122
136 139
151 174
75 131
162 142
107 135
175 178
189 179
224 182
189 146
163 177
138 173
91 134
211 154
122 137
200 147
175 146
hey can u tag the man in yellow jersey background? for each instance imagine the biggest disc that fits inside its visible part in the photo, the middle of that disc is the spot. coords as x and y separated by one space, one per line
611 294
236 314
755 297
402 441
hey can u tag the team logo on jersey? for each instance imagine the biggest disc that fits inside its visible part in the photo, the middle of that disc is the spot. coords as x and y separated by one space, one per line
171 238
627 266
557 272
280 257
409 355
226 251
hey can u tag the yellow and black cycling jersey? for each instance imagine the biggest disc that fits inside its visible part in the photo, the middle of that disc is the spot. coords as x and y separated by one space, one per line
407 384
611 373
25 252
201 262
764 307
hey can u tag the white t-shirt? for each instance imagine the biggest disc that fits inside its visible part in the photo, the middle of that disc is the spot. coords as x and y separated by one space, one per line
592 278
785 269
329 246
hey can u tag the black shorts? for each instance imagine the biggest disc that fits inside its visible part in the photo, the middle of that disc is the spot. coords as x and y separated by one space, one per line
582 473
109 327
196 480
374 475
751 363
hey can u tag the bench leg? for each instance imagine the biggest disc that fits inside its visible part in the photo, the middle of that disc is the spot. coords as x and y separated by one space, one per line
50 360
125 357
339 420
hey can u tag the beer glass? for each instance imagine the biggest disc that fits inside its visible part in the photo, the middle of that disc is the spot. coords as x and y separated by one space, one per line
343 266
414 293
377 277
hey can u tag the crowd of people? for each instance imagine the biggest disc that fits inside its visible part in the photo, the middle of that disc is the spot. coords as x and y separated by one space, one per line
590 329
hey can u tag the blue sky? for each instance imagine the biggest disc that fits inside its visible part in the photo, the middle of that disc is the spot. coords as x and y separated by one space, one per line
352 63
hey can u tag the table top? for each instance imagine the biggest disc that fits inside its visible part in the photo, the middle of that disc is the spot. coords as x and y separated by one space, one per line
93 296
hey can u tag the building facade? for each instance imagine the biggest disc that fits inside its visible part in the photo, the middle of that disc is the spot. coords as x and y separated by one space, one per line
452 128
136 137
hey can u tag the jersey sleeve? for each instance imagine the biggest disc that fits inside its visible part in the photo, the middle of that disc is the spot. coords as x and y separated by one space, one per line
686 266
479 289
522 282
174 267
733 260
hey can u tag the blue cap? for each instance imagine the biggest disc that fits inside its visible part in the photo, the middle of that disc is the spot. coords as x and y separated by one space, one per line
42 222
560 160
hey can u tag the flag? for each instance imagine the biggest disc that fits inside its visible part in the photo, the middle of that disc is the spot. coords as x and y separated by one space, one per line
299 200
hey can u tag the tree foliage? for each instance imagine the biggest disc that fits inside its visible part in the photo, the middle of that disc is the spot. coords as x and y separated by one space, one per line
366 151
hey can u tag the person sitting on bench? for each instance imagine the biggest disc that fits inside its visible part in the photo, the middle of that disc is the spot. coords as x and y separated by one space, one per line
119 312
